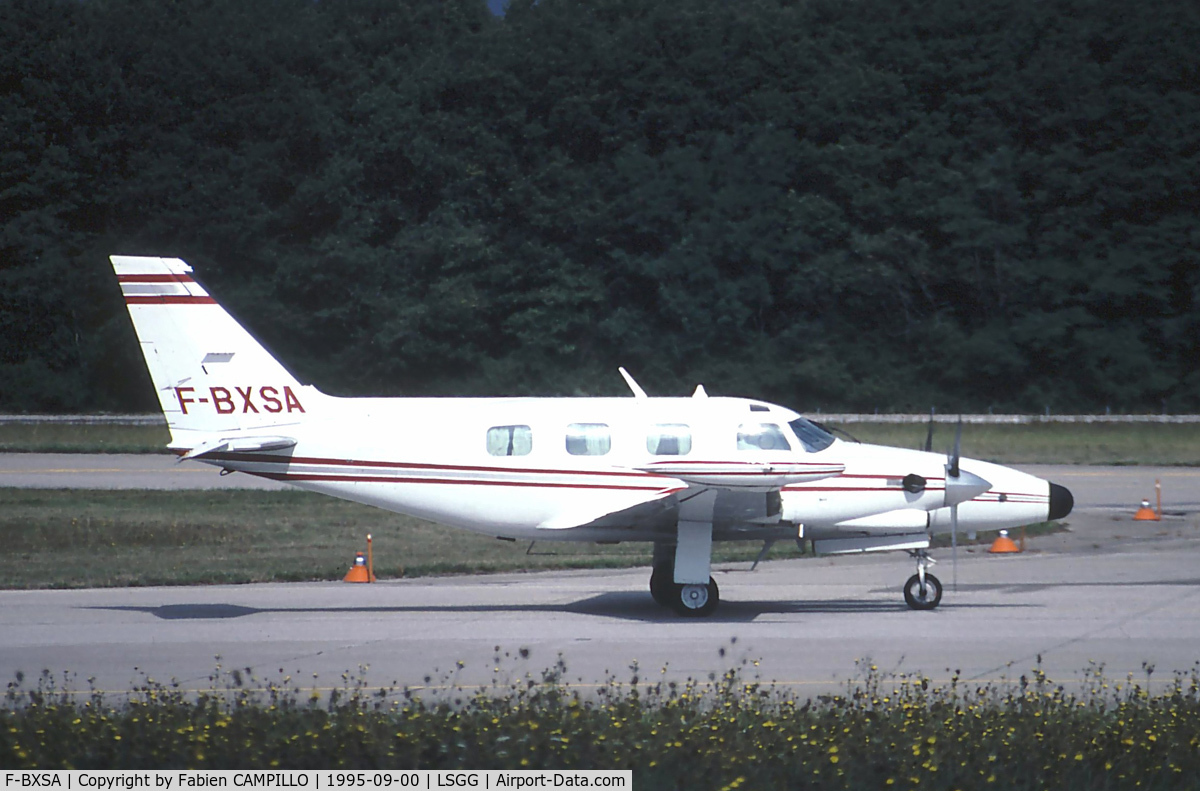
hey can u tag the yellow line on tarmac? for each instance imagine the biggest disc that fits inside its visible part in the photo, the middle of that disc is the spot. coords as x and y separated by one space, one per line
1183 473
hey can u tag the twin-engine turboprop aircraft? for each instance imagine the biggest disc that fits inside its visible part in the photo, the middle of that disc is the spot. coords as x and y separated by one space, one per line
677 472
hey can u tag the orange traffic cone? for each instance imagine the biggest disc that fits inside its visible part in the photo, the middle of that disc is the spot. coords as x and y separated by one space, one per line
1003 544
1146 513
359 571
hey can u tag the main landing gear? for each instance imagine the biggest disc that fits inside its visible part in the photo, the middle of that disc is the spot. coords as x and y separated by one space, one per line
695 601
923 591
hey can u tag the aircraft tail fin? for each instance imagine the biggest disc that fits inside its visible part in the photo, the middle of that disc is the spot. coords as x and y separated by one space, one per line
211 375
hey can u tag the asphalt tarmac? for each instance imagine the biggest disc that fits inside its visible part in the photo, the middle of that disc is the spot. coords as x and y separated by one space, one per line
118 471
1108 593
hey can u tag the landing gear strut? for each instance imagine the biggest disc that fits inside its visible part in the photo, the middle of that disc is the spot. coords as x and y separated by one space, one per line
682 577
923 591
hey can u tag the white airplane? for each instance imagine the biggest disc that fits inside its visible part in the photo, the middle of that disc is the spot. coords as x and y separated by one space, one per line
677 472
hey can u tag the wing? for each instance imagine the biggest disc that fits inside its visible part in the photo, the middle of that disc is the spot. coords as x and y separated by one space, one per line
696 477
643 512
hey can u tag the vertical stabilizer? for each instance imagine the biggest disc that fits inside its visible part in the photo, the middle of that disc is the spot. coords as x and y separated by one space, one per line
211 375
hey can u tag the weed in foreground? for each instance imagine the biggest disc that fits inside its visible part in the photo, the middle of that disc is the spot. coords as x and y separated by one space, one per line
722 733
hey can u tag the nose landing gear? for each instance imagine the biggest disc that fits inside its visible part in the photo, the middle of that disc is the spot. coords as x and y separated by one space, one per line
923 591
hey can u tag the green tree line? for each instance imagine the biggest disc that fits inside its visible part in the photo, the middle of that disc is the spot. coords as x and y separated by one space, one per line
880 204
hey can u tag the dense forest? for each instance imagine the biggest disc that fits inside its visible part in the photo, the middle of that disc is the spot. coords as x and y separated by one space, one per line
833 204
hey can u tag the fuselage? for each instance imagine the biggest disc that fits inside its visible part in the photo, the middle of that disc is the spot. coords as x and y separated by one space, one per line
593 468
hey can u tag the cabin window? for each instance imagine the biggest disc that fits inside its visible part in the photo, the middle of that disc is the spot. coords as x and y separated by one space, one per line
588 439
509 440
669 439
761 436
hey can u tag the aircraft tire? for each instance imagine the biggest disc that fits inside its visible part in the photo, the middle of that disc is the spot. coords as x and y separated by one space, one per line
697 601
661 583
933 592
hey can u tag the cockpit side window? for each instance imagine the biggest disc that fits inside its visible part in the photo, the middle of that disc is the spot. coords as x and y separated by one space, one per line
509 440
669 439
761 436
588 439
814 438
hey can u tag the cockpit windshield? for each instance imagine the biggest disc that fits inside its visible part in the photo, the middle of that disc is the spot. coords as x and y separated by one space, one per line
811 436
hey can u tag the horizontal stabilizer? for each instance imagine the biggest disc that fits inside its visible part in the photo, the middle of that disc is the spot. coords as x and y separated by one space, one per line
239 445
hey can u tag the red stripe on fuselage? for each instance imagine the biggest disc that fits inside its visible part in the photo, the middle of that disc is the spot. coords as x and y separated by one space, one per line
800 487
154 279
165 299
1023 499
302 476
259 457
681 460
731 474
463 468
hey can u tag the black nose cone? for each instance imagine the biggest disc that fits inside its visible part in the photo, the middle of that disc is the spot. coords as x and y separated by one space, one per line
1061 501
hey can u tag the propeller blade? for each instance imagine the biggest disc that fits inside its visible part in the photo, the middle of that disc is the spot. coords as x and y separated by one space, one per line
954 546
929 436
953 469
965 490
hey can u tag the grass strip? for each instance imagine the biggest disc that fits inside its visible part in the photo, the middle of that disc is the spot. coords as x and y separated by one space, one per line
82 438
63 538
73 538
723 733
1049 443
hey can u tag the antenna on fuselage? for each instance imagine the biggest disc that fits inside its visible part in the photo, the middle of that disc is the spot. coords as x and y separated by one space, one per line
638 392
700 392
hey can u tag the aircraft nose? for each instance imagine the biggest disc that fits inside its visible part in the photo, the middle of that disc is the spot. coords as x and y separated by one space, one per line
1061 501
